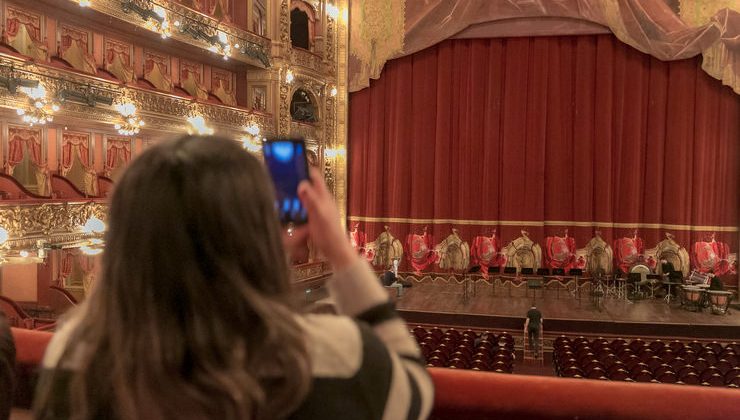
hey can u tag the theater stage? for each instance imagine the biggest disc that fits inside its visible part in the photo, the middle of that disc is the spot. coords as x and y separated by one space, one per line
442 301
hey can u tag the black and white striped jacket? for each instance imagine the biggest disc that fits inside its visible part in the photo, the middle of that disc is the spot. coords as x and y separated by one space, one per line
364 362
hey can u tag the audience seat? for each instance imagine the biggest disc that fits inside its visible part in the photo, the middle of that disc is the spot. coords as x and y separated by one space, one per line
647 361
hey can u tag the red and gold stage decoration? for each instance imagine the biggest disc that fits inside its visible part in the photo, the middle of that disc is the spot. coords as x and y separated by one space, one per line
157 70
560 251
118 60
191 79
454 253
486 252
628 252
420 252
710 256
382 251
117 153
358 239
24 32
75 48
24 142
522 252
222 86
669 250
596 257
76 151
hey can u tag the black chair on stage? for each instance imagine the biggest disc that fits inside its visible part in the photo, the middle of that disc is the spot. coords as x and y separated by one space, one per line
527 271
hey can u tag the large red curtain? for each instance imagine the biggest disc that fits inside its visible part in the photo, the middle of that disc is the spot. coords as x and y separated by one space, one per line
545 133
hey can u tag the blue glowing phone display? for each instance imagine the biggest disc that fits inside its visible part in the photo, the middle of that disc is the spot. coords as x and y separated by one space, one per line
286 162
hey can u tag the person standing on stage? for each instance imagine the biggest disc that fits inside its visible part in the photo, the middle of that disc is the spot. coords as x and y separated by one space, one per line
532 327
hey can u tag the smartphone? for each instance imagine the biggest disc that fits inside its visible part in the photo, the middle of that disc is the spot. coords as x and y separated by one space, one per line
287 164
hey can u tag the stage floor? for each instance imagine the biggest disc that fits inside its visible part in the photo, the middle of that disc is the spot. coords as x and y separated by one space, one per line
442 301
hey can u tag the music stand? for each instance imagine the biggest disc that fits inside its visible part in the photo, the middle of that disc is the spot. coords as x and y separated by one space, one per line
509 270
494 269
468 281
634 279
576 273
558 272
527 271
653 279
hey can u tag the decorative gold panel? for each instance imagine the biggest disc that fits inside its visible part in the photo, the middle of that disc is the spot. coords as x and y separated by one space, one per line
49 219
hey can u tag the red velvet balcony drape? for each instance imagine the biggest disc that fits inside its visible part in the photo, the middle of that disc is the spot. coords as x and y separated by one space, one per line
545 133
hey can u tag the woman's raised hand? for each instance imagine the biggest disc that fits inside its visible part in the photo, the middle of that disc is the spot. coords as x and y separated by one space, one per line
324 226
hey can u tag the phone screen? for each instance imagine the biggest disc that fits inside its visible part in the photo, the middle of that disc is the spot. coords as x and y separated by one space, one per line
286 162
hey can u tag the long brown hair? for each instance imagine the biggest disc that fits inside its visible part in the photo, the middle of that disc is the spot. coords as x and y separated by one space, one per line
192 317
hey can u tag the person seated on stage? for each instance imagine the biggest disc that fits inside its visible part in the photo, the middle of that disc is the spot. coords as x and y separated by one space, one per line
194 316
666 267
7 368
388 278
715 283
532 327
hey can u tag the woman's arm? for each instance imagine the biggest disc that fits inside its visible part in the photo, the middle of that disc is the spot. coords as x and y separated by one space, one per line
358 294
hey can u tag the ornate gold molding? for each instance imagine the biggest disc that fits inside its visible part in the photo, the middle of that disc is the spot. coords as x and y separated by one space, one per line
330 45
306 59
54 222
285 21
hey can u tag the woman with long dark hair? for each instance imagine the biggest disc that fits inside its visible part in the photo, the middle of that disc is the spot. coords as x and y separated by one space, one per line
192 318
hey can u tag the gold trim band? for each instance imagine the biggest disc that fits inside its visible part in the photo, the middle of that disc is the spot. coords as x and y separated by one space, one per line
534 223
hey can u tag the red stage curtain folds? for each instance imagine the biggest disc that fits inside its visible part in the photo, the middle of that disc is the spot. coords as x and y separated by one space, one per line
548 133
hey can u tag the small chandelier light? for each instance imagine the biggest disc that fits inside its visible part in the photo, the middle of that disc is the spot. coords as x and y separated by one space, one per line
4 235
131 123
84 3
223 45
289 77
253 130
93 247
332 11
333 91
334 153
93 225
251 142
159 21
39 110
198 125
